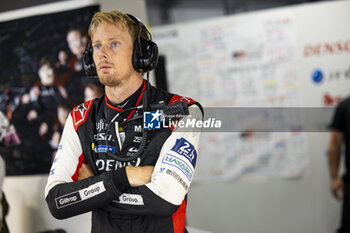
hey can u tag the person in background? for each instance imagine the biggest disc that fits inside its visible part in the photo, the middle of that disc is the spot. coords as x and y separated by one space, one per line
131 178
45 96
63 111
74 86
45 92
93 90
340 134
63 73
4 207
76 44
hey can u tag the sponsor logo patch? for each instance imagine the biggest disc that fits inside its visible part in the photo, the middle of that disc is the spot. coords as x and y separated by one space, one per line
102 148
102 137
130 199
178 178
78 196
81 109
137 139
92 190
179 164
138 128
101 125
52 172
67 200
186 149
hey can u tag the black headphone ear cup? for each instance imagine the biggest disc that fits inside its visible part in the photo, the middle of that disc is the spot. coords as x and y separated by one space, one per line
88 62
145 55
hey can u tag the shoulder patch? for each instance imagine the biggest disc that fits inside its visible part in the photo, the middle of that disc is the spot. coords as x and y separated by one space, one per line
178 98
80 113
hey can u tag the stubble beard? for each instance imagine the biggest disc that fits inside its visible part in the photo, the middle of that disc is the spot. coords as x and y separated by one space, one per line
114 80
109 80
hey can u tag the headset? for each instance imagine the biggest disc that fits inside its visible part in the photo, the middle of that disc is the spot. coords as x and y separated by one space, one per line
144 56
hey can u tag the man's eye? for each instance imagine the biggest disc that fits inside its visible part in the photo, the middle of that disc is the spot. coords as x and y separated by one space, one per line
97 46
115 44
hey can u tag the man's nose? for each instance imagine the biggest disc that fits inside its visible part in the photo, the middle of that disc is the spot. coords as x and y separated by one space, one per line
103 53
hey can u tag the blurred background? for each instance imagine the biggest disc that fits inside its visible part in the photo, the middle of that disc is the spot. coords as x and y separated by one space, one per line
231 56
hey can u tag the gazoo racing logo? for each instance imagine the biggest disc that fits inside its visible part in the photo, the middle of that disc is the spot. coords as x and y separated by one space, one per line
179 164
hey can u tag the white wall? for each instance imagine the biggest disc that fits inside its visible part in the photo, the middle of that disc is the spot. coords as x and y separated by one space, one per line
276 205
302 205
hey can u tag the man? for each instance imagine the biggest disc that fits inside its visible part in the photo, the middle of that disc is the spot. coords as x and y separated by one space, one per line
76 44
98 165
341 187
46 93
75 79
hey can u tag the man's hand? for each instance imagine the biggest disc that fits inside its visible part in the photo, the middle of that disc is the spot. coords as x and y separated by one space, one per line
85 171
139 176
337 188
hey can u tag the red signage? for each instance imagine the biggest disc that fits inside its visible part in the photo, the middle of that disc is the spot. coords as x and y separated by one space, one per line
327 48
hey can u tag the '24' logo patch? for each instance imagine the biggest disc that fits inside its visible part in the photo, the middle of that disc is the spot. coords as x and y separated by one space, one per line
186 149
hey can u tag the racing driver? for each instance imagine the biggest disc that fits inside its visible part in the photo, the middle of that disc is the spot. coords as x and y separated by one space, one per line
115 158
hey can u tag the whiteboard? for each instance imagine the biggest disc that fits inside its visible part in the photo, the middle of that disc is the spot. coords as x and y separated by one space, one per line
287 58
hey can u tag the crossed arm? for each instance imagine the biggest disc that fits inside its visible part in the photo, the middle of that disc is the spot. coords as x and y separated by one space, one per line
160 189
137 176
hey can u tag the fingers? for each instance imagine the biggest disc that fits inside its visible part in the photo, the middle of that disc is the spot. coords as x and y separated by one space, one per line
337 189
336 195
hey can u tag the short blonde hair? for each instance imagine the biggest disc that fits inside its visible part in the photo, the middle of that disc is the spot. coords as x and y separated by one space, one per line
117 17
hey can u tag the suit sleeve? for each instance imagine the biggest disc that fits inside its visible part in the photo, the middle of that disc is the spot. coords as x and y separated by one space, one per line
66 198
172 175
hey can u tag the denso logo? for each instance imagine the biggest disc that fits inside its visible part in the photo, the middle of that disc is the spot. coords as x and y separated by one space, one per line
112 164
327 48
